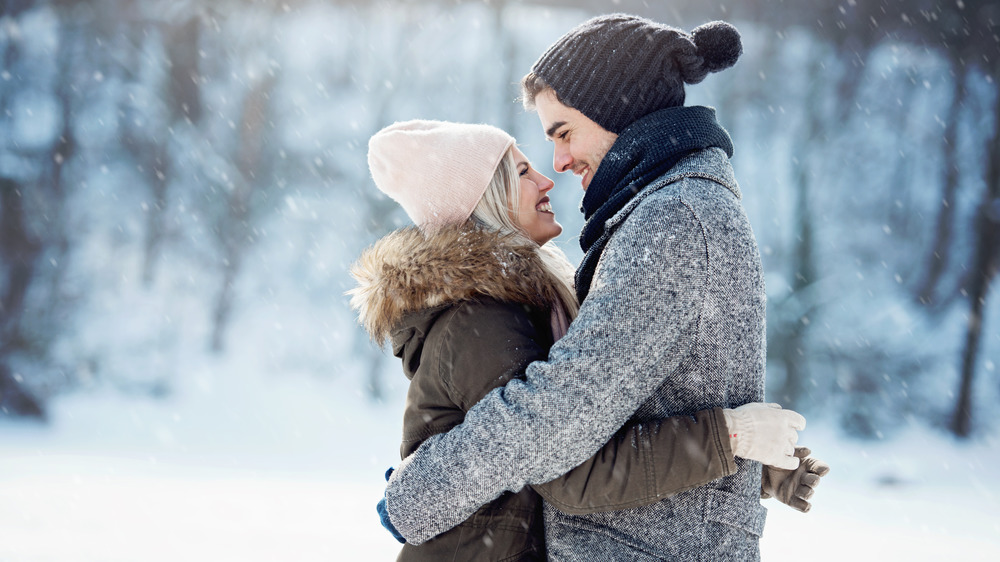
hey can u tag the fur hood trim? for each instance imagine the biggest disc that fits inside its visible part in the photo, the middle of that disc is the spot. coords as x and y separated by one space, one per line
409 270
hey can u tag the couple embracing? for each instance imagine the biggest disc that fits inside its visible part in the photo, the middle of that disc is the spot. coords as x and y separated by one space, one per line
612 411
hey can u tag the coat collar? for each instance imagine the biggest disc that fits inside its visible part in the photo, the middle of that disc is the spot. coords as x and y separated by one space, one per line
710 164
408 271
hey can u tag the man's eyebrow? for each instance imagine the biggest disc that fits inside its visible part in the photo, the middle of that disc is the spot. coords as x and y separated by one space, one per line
555 127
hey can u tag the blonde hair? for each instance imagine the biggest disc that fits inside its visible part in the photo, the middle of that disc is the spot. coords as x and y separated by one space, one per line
495 211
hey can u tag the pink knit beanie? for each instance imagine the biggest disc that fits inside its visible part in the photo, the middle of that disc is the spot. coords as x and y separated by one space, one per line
438 171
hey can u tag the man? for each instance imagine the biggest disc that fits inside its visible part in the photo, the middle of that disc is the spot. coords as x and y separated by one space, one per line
672 307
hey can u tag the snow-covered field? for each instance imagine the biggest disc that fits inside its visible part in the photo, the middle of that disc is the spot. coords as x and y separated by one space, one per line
290 469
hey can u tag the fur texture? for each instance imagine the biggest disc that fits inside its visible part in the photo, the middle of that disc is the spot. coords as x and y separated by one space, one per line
409 270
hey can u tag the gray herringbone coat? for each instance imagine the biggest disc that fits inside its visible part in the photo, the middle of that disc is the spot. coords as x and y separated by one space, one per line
674 323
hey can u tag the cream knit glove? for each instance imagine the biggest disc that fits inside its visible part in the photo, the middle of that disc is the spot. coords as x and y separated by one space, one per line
766 433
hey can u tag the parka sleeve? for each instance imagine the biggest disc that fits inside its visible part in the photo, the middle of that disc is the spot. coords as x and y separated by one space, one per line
646 462
639 322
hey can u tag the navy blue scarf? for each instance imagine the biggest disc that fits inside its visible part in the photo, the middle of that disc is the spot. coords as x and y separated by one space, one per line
644 151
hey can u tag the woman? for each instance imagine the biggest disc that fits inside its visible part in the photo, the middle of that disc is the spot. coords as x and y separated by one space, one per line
472 296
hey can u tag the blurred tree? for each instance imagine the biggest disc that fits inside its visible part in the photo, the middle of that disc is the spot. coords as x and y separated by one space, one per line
252 163
152 147
970 32
33 218
985 265
790 316
20 250
938 255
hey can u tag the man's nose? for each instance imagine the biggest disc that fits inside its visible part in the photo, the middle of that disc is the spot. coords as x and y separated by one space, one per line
562 160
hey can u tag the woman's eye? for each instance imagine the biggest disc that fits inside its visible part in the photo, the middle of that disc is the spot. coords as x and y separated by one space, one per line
524 172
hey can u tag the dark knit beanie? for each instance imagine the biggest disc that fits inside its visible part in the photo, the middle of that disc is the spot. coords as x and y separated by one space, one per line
617 68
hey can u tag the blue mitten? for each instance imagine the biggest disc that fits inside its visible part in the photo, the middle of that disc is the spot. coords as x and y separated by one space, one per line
383 514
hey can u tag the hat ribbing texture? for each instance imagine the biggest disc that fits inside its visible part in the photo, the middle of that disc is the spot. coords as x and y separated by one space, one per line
618 68
436 170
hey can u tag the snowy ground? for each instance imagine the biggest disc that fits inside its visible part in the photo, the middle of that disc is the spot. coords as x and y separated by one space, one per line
290 469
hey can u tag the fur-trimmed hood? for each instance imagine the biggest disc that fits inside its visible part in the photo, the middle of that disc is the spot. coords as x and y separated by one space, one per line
409 270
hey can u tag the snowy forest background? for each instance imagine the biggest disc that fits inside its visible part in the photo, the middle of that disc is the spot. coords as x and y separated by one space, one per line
183 186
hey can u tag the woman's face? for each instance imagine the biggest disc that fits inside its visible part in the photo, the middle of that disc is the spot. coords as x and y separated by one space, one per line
534 212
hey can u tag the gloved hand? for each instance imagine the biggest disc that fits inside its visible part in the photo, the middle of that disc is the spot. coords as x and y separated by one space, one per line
383 513
794 487
766 433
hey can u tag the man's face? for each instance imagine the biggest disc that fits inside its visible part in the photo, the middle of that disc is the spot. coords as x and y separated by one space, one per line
580 144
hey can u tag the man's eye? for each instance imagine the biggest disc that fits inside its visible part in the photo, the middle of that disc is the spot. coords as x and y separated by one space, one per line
562 135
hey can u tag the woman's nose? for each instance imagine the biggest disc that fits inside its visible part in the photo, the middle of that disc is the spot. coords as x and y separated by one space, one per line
544 183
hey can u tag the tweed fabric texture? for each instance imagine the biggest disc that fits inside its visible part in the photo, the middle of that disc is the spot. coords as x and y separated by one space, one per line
692 541
674 323
617 68
643 152
436 170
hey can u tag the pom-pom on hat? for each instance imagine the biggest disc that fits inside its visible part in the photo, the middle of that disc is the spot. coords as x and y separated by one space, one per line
436 170
617 68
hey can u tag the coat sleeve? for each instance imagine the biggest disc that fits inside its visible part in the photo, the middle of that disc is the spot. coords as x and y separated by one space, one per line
485 345
635 329
644 463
